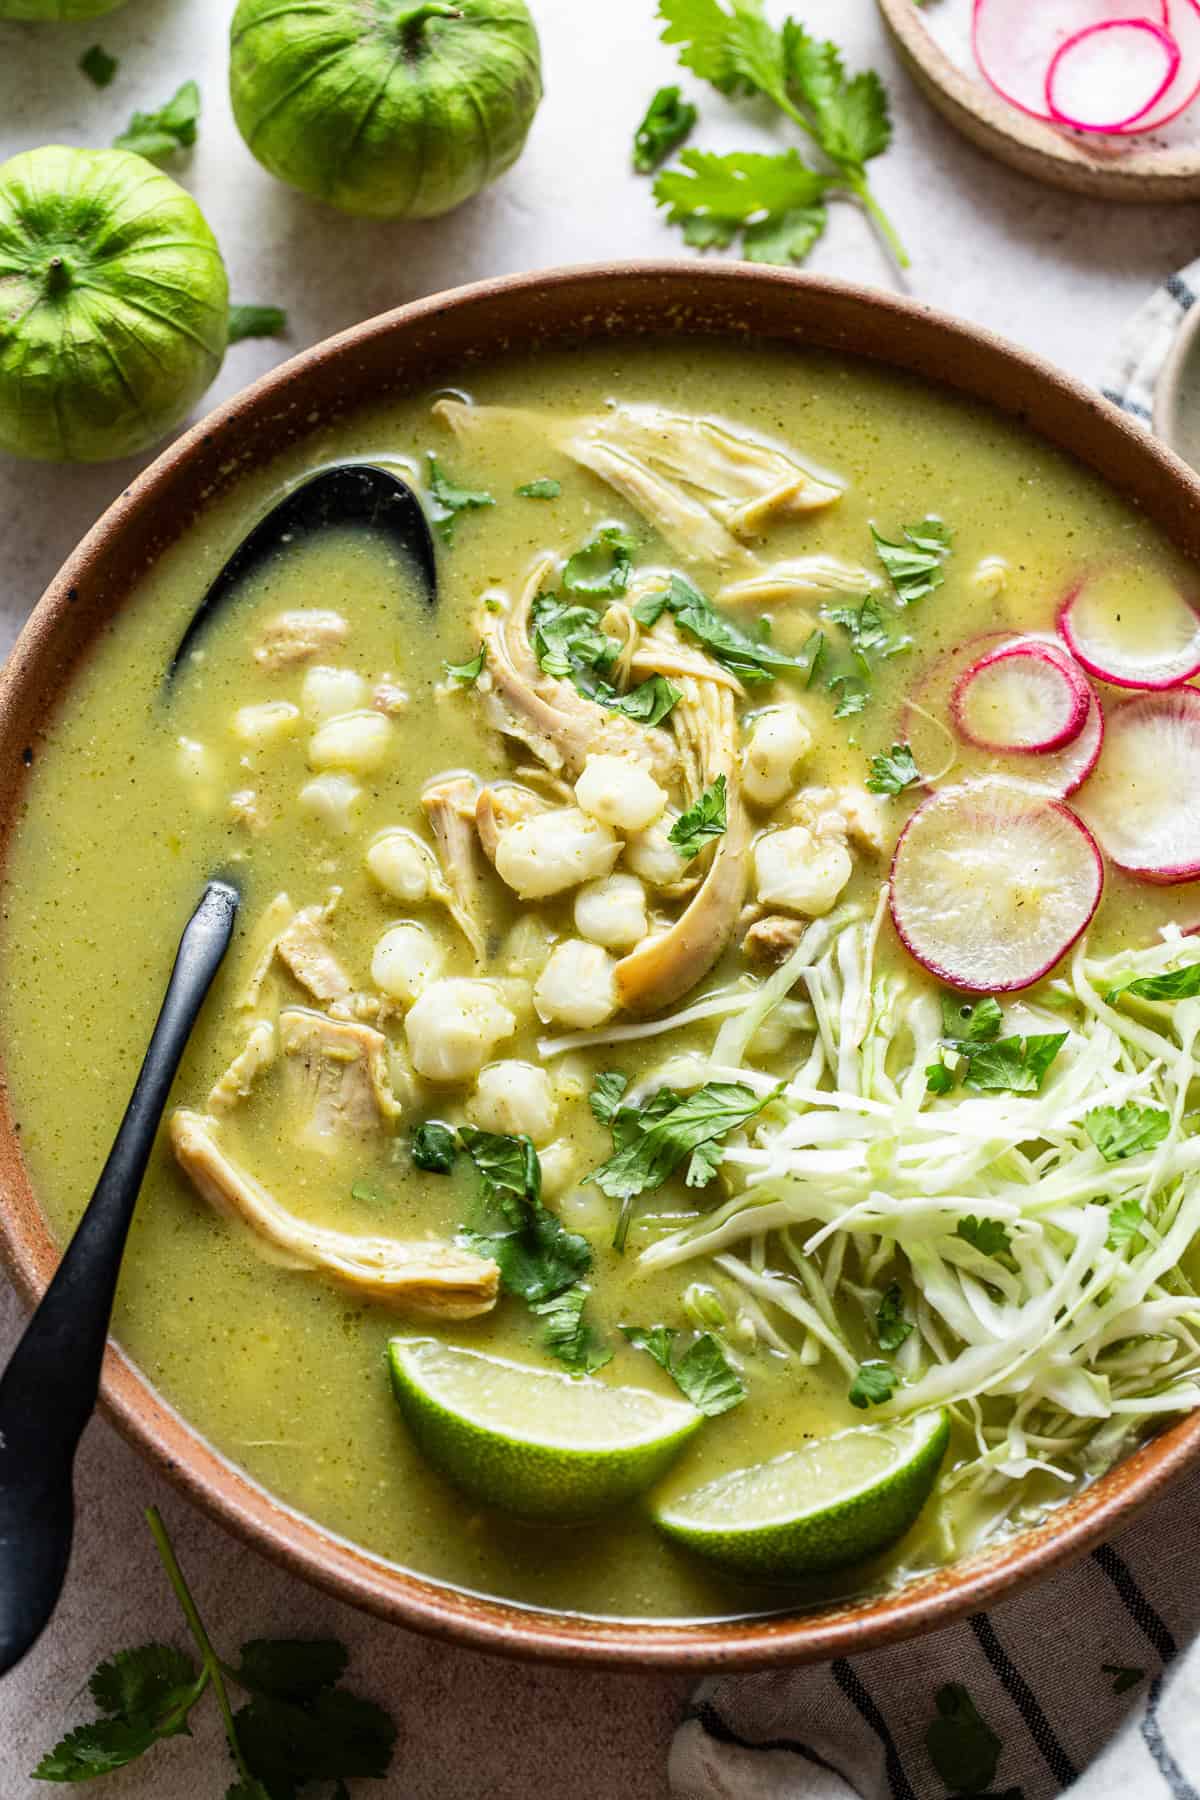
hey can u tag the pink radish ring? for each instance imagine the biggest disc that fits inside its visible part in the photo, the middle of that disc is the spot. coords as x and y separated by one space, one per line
1015 41
1133 639
1143 802
1183 22
1108 76
1024 699
991 884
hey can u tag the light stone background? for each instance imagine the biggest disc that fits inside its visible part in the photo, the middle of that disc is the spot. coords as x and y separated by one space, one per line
1051 271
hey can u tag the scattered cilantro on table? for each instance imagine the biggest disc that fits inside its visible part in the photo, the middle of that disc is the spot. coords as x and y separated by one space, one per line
667 122
702 1372
160 136
254 321
98 65
776 202
297 1726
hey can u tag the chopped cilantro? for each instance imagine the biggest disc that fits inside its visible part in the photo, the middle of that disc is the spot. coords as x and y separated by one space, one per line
938 1078
567 640
649 703
868 630
752 659
98 65
702 1372
158 136
568 1336
601 569
1176 984
989 1236
544 488
447 500
1125 1221
875 1383
1121 1131
468 673
892 772
535 1253
851 695
962 1746
891 1326
701 823
434 1147
914 564
969 1023
252 321
367 1194
605 1097
667 122
1014 1065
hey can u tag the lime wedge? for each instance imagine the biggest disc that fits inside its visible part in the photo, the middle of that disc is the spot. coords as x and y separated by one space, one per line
532 1441
836 1501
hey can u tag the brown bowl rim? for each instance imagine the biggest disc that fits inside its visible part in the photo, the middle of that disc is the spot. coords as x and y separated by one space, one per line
591 301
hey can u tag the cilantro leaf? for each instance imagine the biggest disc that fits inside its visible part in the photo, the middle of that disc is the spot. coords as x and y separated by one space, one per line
544 488
868 630
667 121
875 1383
892 772
968 1023
568 639
938 1079
914 565
1121 1131
737 50
575 1343
962 1746
1125 1221
148 1693
701 823
468 673
335 1736
649 703
1123 1678
702 1372
703 1164
98 65
601 569
1014 1065
447 500
136 1684
851 695
291 1668
535 1253
891 1326
776 200
786 238
849 117
605 1097
751 658
434 1147
989 1236
253 321
96 1749
158 136
1176 984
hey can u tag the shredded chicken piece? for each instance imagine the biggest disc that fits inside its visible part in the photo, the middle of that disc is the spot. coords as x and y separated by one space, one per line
303 949
500 806
666 967
294 637
338 1071
256 1054
428 1276
276 917
817 578
559 724
244 809
389 698
449 806
772 940
693 529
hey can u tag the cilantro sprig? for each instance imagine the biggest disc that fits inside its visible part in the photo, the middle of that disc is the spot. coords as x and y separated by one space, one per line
297 1725
702 1371
778 201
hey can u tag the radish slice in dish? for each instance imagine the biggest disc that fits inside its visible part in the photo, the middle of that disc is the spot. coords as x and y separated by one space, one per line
1134 639
1024 699
1182 20
992 884
1108 76
1143 802
1016 40
925 719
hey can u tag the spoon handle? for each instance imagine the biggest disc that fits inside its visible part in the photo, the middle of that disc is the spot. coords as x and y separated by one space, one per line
49 1388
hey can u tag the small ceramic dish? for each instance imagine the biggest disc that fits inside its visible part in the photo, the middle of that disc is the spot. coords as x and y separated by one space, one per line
1177 392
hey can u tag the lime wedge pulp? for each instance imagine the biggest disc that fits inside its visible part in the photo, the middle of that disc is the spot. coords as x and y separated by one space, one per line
836 1501
531 1441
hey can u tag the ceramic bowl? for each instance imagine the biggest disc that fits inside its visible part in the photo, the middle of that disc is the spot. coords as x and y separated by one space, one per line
408 349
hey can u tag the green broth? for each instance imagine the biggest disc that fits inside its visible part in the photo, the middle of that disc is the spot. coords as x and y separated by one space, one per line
282 1371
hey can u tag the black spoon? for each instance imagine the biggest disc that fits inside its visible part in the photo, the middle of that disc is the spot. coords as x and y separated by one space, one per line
49 1388
346 494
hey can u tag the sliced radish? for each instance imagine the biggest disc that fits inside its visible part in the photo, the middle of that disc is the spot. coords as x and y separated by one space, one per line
1108 76
1023 699
1133 639
1182 20
926 717
992 884
1143 802
1016 41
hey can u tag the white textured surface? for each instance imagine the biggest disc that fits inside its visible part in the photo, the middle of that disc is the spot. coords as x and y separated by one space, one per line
1054 272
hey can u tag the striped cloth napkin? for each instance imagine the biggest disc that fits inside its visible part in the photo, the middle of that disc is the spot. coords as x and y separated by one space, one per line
1088 1682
